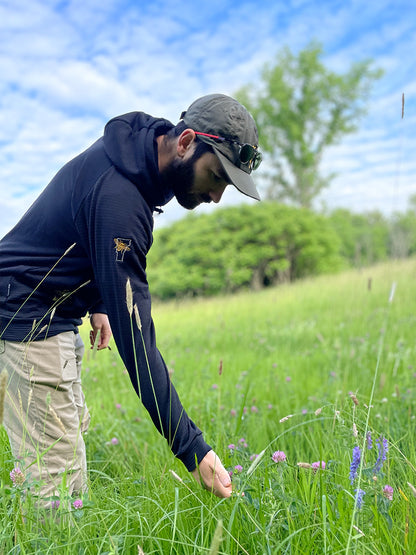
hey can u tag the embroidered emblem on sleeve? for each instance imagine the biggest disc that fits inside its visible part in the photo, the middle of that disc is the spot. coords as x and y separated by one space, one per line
121 247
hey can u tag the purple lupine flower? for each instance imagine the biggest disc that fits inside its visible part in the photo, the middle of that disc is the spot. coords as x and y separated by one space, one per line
369 440
77 504
17 476
355 463
359 494
279 456
383 447
388 492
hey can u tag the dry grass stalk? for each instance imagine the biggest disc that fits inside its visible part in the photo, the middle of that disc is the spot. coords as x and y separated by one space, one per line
137 316
129 297
217 539
57 419
3 384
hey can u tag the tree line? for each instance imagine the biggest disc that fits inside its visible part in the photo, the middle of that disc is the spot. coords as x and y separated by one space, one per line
261 245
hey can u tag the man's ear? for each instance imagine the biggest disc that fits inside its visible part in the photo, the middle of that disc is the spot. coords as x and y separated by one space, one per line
185 141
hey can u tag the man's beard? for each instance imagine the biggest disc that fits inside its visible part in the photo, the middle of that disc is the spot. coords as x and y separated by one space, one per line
179 176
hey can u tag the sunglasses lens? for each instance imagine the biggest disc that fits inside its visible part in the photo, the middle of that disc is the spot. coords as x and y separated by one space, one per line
246 153
250 155
257 160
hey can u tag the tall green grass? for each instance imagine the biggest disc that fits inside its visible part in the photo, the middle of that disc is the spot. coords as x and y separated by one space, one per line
306 369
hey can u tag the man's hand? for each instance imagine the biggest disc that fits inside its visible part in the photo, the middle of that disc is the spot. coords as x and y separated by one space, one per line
99 323
213 475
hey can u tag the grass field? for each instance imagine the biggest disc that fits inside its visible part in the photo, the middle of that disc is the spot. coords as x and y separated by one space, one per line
320 370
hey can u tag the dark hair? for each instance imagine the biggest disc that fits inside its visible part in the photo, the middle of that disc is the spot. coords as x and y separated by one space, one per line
200 147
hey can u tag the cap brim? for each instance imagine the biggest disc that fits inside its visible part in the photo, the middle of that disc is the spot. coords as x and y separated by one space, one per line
239 178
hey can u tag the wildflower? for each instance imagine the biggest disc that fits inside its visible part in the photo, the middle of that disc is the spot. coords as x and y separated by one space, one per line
355 463
269 406
17 476
238 468
254 409
231 447
388 492
233 412
55 504
253 456
359 497
279 456
304 411
383 448
114 441
318 411
369 440
318 465
118 406
214 386
77 504
288 379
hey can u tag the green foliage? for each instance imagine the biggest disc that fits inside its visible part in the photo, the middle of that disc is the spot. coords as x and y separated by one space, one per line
290 356
364 238
403 233
301 107
245 246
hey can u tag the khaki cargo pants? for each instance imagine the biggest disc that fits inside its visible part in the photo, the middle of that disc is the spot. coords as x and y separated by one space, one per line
45 411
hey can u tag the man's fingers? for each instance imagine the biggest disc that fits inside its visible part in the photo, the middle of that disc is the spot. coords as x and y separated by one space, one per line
213 475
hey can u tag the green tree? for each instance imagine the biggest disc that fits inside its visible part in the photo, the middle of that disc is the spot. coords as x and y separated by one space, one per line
301 107
403 231
248 246
364 237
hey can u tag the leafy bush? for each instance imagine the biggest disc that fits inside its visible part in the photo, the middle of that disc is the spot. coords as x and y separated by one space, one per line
364 237
241 247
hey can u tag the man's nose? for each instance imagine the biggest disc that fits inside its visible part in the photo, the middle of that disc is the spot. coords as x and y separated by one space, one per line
215 196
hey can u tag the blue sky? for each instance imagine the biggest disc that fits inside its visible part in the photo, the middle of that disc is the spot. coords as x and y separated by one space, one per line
69 66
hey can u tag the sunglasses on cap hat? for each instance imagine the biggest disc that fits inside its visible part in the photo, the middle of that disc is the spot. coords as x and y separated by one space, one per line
249 155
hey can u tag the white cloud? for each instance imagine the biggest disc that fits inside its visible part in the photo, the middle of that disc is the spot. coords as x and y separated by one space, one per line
67 67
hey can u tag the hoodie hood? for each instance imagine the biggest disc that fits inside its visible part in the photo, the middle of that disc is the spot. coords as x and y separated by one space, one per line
130 143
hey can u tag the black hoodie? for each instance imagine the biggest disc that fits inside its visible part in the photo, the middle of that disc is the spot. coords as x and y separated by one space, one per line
76 247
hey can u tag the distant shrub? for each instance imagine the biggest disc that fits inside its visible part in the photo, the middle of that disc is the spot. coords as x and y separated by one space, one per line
241 247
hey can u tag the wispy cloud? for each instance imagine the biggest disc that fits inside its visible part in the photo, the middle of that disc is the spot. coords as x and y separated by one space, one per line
67 67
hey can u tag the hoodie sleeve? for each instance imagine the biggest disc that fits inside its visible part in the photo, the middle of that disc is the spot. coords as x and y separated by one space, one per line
115 224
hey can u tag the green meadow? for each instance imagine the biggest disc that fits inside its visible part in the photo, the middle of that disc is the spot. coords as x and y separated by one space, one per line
318 370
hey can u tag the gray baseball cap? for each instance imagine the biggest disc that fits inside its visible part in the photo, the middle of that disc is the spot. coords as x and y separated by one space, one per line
233 131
